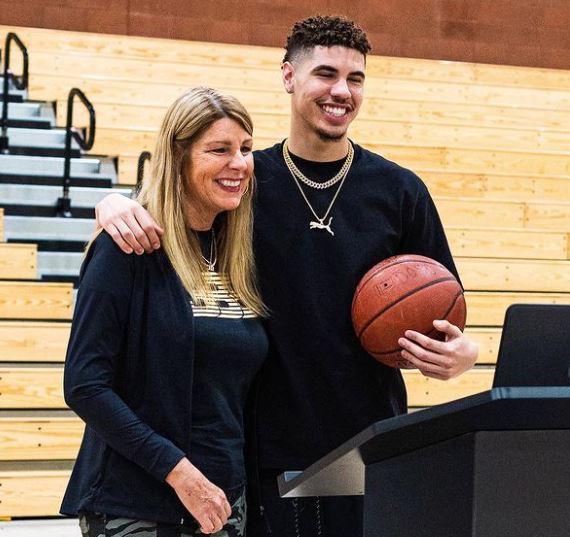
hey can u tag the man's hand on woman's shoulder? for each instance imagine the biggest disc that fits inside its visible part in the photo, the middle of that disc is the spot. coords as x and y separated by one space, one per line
129 224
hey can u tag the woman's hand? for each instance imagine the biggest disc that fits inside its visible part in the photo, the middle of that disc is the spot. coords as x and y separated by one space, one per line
205 501
440 359
128 223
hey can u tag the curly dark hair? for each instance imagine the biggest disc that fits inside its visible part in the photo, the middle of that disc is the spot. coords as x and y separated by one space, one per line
325 31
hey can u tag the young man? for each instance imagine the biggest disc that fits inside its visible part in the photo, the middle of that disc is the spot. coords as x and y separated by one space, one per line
327 211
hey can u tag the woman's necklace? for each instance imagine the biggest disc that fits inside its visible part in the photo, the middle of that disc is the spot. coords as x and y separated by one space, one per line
319 223
211 262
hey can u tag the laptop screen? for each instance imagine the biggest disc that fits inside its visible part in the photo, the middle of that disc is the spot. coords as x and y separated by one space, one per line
535 346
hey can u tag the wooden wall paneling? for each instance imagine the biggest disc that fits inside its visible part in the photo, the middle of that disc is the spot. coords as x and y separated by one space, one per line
113 68
424 391
38 300
52 87
32 493
39 438
31 388
467 160
466 212
33 341
486 308
435 91
118 109
135 70
460 136
212 53
126 142
488 340
508 243
553 216
496 186
524 275
471 114
18 261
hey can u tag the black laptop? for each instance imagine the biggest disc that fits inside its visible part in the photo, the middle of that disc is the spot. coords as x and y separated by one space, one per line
535 346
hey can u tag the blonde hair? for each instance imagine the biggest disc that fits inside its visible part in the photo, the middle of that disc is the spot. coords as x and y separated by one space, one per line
163 194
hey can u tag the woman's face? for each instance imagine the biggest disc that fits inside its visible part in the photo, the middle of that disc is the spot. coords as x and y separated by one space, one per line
221 166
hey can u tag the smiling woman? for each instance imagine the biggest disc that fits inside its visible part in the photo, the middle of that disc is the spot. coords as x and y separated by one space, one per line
164 346
203 149
220 169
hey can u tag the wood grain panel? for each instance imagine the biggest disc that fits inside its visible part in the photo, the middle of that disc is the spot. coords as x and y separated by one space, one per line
514 275
377 132
50 88
18 261
469 212
32 494
229 77
134 70
130 143
472 114
33 341
40 438
554 216
423 391
269 57
150 49
1 224
453 136
31 388
412 90
488 308
488 340
465 212
19 300
454 160
497 186
468 160
263 103
508 243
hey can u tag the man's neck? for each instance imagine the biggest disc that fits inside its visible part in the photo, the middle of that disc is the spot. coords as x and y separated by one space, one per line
311 147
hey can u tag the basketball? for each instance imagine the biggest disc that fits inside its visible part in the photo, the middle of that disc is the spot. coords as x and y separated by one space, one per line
404 292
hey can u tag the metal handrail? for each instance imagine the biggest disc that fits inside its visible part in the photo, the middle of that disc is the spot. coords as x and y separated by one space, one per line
143 157
64 203
20 83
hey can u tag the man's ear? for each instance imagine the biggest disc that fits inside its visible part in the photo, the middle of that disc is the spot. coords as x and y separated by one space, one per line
288 76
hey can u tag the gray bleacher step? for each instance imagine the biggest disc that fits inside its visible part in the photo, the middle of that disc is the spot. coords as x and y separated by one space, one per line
40 195
38 228
11 84
39 138
59 263
38 113
13 92
87 168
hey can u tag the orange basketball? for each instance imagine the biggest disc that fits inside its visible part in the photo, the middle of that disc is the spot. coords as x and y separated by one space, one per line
404 292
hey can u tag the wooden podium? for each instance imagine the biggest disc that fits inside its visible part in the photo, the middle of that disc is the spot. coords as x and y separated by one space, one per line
496 464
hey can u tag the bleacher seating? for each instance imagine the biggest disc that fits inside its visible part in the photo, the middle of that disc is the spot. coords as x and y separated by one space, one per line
491 143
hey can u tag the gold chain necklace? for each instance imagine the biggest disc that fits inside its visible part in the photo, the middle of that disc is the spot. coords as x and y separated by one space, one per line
320 222
315 184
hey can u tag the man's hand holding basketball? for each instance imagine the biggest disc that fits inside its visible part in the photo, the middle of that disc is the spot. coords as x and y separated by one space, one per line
440 359
129 224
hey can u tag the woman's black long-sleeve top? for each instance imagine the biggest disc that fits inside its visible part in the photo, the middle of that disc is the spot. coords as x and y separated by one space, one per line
128 374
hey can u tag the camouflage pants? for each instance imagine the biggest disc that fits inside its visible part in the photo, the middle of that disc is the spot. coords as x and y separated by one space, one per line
99 525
